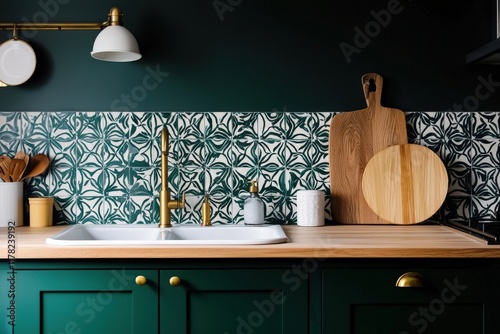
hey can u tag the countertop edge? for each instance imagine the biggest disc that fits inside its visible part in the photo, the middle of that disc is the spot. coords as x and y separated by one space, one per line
335 241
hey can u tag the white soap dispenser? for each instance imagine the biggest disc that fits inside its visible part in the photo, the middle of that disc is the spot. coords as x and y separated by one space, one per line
253 210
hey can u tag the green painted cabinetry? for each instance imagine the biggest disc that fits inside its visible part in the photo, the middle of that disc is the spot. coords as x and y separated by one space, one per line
86 301
81 300
452 300
253 296
224 301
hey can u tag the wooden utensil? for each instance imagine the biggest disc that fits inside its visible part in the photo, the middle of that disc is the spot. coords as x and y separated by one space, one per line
5 171
405 184
16 169
5 158
36 166
5 176
25 157
354 138
4 167
20 155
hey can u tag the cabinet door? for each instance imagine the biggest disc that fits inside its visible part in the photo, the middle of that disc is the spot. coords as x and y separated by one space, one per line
367 301
86 301
233 301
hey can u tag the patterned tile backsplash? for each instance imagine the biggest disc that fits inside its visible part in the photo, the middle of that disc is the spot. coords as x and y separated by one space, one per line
105 167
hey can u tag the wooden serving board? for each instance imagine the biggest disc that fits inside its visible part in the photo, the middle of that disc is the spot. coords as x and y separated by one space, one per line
355 137
405 184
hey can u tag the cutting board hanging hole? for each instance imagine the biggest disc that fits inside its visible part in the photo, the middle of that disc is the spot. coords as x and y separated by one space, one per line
372 86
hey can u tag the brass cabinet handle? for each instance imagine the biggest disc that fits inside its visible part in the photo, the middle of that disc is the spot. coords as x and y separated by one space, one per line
140 280
174 281
412 280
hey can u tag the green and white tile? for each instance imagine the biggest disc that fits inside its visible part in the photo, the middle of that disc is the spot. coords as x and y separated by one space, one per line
105 166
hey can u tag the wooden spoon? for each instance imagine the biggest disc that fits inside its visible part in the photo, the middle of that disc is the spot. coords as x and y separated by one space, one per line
16 169
36 166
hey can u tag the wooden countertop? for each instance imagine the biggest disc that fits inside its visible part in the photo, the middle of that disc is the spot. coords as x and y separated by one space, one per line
347 241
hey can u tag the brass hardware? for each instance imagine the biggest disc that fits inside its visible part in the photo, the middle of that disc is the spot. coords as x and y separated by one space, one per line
412 280
205 212
174 281
114 18
167 204
253 186
140 280
14 32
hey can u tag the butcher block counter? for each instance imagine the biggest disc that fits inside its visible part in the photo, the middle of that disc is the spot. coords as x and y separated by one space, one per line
346 241
332 279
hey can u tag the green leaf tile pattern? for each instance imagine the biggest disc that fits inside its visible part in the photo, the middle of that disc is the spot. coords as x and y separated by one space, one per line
105 166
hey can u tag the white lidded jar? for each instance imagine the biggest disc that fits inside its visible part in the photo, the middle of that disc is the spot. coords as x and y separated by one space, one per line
253 209
310 208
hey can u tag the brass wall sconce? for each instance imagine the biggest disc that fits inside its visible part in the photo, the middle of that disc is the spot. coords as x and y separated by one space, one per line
114 43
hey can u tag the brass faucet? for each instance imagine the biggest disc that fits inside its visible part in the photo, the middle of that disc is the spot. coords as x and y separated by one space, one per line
167 204
205 212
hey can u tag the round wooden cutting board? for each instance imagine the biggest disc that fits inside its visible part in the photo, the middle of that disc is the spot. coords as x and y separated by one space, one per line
405 184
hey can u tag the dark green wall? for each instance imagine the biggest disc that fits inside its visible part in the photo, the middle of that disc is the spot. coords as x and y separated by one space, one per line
265 54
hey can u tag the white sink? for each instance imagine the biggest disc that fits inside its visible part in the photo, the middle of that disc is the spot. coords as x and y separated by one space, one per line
88 235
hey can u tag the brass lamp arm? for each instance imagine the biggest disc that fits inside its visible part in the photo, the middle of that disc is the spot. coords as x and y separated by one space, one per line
114 18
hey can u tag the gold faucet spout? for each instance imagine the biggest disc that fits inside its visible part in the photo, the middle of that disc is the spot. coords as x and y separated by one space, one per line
166 203
164 158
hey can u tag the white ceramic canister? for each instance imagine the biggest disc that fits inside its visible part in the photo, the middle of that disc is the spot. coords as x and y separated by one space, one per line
310 208
11 204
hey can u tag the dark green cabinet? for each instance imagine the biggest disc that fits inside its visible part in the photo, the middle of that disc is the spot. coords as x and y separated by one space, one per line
225 301
367 301
257 301
86 301
257 296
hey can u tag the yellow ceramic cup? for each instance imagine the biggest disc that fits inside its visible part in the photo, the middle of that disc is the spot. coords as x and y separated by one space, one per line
41 211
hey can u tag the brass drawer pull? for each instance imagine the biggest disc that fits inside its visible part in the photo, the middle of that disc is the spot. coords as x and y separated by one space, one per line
175 281
140 280
412 280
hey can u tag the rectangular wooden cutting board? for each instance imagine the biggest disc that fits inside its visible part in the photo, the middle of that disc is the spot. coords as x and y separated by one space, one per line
355 137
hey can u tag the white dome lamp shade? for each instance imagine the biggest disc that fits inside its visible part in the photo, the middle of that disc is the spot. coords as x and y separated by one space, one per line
115 43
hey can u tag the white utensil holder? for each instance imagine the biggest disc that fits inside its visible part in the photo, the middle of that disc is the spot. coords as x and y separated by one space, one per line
11 204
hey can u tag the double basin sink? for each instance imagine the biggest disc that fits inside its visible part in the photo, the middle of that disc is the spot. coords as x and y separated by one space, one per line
102 235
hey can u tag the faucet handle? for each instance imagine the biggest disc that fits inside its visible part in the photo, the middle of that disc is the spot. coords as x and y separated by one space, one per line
183 200
177 204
